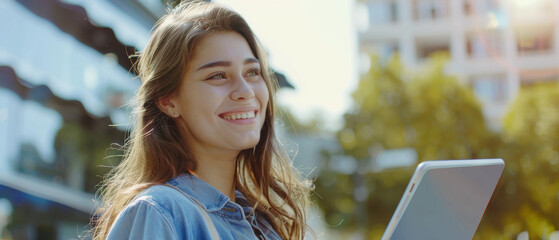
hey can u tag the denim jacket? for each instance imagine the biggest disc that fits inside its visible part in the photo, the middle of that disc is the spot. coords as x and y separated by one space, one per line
161 212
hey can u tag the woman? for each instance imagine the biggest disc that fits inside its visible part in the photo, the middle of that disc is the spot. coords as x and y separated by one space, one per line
202 157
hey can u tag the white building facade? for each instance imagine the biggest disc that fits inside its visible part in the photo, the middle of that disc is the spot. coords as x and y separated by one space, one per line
496 46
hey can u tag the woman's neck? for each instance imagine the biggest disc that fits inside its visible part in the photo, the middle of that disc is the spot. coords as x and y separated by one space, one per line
218 173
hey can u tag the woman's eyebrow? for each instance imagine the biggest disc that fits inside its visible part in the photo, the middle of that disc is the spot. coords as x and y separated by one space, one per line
215 64
251 60
226 63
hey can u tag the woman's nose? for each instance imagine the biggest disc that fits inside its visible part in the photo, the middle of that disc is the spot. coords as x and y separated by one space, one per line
242 90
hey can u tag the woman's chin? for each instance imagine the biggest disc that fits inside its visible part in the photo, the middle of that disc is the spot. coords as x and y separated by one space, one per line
248 144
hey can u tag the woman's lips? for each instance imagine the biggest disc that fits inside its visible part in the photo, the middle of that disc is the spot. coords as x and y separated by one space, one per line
238 115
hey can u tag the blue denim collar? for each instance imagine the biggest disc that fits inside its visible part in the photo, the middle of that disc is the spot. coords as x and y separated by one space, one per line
212 199
203 192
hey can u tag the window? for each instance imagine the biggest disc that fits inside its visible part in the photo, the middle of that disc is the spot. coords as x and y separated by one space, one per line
382 11
490 89
387 49
484 44
534 40
480 7
384 49
427 46
430 9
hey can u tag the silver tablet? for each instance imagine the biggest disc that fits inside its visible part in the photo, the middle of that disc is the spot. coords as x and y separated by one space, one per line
445 200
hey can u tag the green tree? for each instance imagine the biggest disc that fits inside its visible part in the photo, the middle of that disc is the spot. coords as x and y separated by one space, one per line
527 197
447 118
428 111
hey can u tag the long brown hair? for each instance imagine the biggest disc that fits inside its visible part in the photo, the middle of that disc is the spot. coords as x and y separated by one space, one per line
154 153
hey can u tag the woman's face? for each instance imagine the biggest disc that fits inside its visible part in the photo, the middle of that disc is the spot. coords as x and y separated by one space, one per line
222 99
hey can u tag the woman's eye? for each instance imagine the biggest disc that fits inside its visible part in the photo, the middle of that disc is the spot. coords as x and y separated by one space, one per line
218 79
217 76
253 73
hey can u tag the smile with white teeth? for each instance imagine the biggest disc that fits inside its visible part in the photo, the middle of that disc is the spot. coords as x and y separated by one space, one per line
239 115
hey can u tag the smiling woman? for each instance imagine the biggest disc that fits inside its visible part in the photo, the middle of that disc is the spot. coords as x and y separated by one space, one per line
223 86
202 161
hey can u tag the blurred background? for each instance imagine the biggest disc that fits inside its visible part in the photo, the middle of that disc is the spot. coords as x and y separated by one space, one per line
370 88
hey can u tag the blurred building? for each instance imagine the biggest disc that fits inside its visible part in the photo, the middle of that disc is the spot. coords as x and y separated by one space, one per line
496 46
65 75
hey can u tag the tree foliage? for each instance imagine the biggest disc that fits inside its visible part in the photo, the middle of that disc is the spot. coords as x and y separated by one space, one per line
429 111
441 118
527 198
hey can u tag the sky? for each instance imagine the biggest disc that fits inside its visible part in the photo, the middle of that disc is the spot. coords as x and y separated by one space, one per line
314 43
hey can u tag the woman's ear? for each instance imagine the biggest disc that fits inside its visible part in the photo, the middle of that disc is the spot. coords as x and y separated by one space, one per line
168 106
